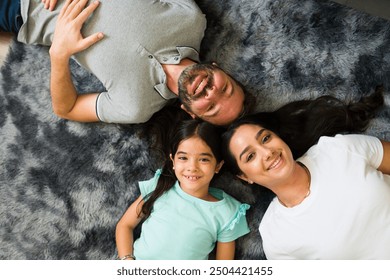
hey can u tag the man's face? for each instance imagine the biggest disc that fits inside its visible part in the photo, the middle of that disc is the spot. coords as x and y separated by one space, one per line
210 94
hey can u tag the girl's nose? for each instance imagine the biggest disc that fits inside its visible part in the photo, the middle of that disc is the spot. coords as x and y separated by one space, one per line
192 166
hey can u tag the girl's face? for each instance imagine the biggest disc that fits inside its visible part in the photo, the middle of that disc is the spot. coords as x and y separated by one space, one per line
194 165
261 155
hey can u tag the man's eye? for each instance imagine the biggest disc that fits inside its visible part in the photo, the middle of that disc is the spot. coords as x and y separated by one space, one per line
224 88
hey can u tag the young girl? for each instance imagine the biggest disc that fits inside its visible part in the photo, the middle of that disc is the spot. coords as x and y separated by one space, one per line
184 218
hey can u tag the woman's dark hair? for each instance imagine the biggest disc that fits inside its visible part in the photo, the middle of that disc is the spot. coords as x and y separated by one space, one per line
301 123
209 133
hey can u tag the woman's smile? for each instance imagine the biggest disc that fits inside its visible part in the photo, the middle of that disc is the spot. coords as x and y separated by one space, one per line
277 162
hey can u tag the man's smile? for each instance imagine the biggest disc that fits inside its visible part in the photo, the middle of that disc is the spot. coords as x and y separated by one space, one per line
198 85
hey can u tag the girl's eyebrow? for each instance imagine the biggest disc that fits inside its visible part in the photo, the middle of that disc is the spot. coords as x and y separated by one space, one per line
202 154
257 136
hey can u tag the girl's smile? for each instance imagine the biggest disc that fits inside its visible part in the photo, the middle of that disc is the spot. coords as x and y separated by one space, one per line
195 165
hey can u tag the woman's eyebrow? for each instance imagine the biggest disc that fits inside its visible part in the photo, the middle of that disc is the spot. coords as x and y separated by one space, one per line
243 152
257 136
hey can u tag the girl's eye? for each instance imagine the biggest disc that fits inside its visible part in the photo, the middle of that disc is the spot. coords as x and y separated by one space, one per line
182 158
204 160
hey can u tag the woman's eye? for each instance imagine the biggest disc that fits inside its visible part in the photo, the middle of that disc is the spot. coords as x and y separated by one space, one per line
182 158
266 138
204 159
249 157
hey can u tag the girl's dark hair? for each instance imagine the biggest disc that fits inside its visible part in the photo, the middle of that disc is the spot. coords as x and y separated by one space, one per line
301 123
186 129
159 129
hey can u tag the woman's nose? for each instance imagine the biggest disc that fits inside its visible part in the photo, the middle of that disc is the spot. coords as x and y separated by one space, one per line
268 154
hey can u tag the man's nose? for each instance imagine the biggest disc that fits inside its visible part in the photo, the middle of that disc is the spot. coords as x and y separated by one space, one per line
211 92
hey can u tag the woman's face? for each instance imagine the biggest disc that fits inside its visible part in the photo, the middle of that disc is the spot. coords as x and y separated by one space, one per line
261 155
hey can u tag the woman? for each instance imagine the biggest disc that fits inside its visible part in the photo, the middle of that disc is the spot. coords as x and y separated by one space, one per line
331 203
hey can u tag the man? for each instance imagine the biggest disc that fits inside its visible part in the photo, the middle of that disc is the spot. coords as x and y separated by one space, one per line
148 54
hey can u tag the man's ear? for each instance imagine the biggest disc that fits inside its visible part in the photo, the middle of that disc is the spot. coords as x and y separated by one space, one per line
219 166
188 112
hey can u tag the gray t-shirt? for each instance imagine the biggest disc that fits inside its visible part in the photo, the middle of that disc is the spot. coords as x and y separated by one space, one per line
140 35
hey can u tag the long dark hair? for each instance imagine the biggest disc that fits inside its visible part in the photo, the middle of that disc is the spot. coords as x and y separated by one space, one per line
186 129
300 124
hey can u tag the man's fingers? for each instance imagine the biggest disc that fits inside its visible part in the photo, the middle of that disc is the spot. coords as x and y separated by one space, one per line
76 7
52 5
72 8
90 40
45 4
85 13
65 8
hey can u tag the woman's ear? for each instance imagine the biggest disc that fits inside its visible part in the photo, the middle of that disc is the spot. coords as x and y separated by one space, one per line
219 166
244 178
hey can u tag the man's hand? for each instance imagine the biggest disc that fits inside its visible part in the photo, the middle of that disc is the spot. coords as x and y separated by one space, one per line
68 39
49 4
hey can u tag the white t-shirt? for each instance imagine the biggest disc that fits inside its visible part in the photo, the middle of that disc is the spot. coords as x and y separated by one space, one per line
347 214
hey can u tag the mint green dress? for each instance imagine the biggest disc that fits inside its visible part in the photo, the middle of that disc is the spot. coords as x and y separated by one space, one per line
183 227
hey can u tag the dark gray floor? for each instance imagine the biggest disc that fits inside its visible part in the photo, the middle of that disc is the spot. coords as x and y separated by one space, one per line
379 8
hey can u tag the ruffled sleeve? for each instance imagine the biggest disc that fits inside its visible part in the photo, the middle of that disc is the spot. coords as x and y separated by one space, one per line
237 225
240 215
146 187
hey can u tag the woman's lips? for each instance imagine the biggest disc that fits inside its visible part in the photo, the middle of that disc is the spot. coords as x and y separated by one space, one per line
276 163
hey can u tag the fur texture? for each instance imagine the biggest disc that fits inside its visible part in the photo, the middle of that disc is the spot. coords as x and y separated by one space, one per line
64 185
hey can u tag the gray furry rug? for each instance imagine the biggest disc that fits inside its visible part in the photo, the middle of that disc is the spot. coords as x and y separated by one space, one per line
64 185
